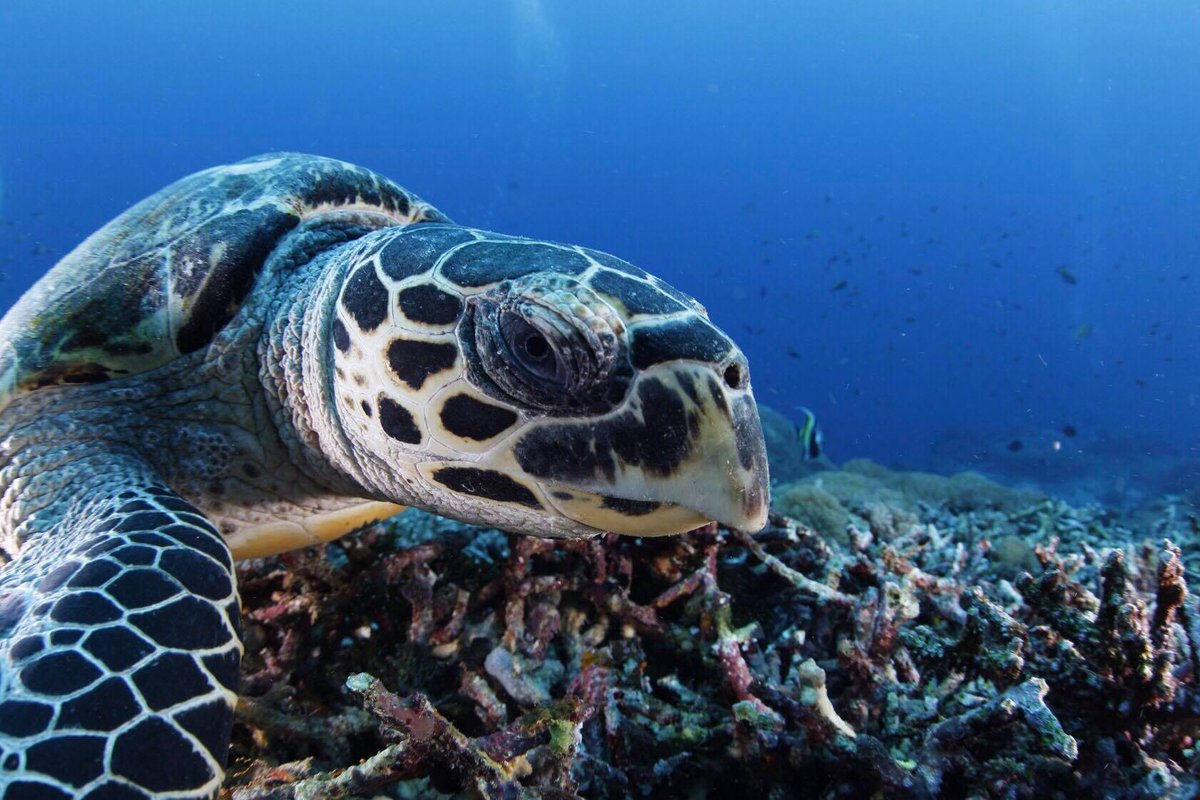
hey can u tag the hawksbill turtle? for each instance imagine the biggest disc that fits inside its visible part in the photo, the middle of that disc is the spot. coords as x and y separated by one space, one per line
269 354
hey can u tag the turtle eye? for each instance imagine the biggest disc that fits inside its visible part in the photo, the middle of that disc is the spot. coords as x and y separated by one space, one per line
547 342
532 349
536 347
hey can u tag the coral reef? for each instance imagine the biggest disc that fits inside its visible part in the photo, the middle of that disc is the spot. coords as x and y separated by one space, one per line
950 639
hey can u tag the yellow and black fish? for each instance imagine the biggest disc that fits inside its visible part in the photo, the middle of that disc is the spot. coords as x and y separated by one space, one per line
809 435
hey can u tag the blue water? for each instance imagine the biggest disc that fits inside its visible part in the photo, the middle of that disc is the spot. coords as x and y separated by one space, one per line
882 202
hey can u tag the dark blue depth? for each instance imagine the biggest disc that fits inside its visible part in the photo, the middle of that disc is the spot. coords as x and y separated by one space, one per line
959 233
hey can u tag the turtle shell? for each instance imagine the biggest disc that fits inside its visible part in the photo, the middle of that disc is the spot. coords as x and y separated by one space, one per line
164 277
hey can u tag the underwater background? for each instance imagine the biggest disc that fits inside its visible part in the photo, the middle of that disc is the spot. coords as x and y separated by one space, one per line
962 234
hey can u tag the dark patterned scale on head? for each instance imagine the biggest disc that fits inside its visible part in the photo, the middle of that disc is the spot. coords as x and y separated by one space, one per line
171 272
444 303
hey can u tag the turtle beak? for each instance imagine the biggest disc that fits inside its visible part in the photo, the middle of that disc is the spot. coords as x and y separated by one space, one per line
724 476
744 496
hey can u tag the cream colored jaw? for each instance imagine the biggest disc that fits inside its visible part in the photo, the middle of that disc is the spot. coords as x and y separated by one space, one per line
587 508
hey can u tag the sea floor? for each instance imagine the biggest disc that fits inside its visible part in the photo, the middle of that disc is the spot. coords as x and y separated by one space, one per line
892 634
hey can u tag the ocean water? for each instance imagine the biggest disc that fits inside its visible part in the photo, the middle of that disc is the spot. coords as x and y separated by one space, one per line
963 234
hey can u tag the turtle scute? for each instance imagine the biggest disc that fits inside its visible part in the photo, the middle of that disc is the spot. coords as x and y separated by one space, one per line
166 275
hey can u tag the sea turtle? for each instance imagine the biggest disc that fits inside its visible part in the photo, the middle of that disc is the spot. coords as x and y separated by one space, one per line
270 354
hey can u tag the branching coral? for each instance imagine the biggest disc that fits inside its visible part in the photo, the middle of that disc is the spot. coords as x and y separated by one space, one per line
902 662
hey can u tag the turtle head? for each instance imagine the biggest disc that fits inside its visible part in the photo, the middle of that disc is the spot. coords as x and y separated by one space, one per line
541 388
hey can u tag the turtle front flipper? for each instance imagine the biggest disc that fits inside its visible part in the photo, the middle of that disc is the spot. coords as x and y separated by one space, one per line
121 641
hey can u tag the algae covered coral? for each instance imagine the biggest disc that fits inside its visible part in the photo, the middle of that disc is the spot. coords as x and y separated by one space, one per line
914 656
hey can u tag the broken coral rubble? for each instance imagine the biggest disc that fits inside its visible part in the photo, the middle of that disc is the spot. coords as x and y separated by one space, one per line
905 634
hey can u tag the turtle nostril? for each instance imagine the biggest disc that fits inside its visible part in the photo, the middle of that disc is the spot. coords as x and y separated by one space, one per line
735 376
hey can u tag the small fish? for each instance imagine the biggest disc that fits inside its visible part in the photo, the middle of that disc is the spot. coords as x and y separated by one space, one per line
809 435
1069 431
1084 331
1067 275
837 287
1015 446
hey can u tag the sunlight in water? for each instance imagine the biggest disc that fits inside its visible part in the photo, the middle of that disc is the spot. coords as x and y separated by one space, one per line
541 64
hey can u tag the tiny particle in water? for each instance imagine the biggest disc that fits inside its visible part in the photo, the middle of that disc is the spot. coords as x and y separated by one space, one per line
1069 431
1015 446
1067 275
